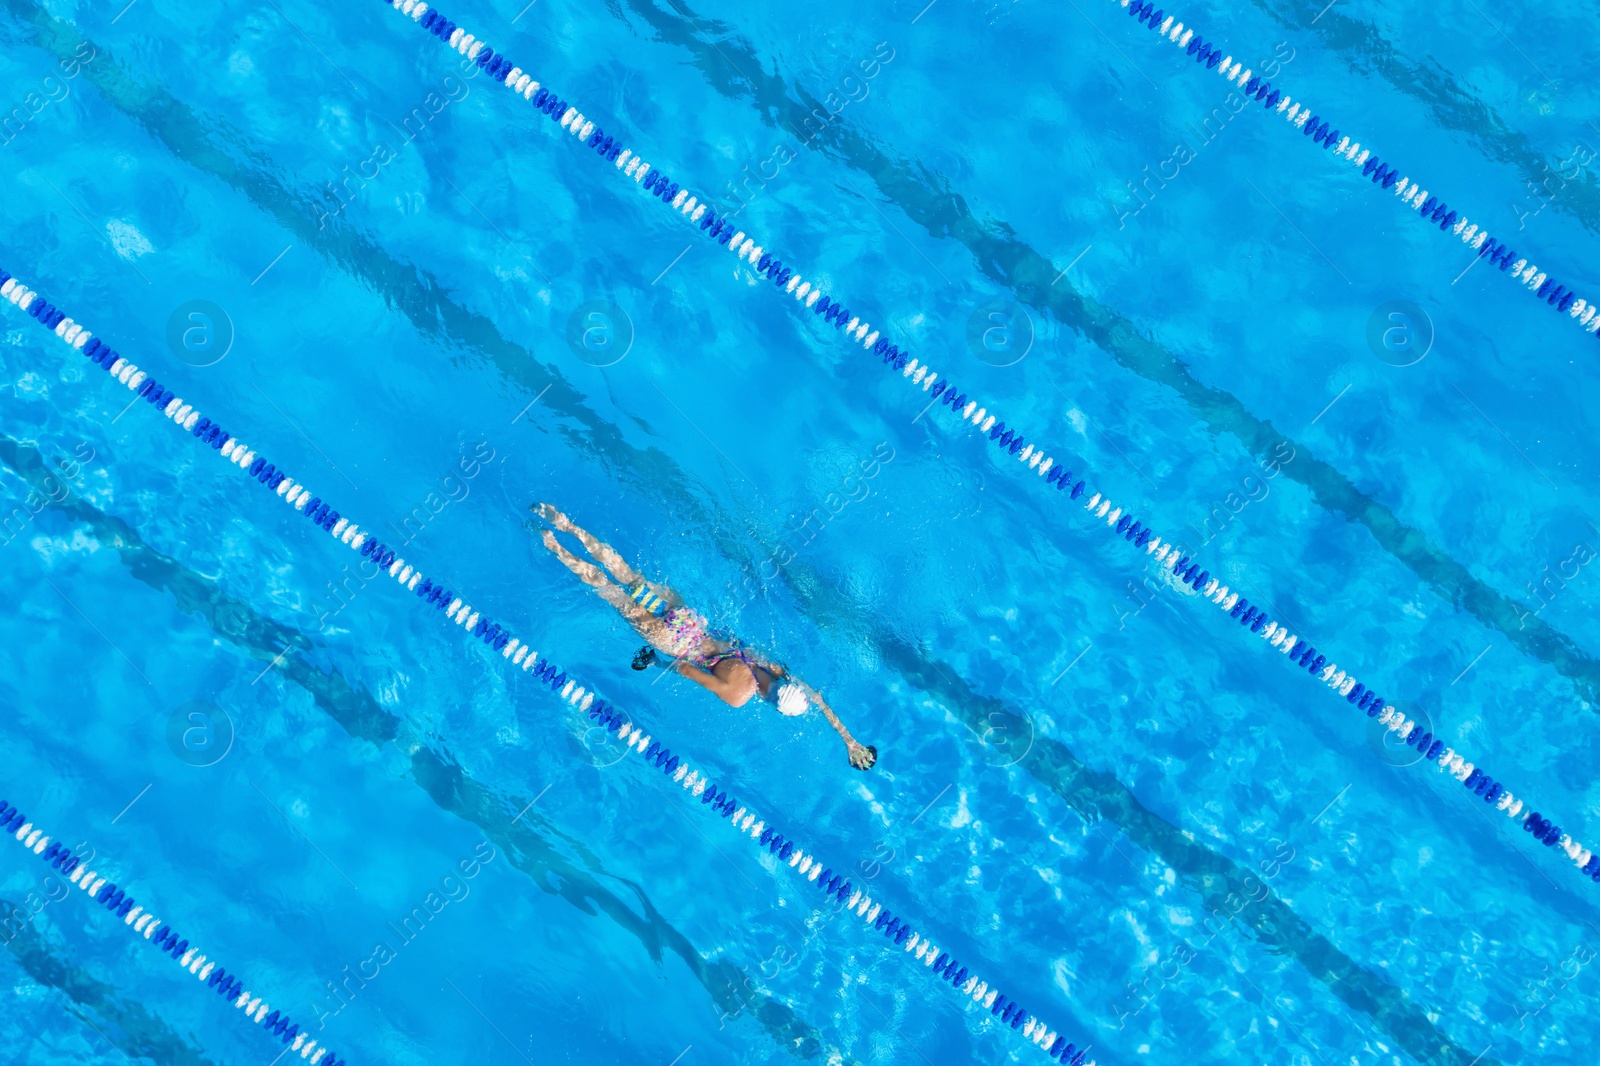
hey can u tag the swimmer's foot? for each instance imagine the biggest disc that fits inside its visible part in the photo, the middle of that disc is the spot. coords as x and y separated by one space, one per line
644 657
551 514
863 756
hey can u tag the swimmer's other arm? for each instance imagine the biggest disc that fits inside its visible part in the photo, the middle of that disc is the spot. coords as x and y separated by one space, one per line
862 756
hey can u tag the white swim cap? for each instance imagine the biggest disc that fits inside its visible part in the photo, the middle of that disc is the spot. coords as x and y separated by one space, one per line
792 700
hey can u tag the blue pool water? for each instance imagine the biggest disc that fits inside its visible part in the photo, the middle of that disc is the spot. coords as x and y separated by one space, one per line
1081 779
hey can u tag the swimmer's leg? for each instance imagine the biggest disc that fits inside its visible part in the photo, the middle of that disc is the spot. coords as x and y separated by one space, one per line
649 626
605 553
602 551
588 573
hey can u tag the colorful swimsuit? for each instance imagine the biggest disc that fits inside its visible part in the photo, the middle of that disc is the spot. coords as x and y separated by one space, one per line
710 662
686 632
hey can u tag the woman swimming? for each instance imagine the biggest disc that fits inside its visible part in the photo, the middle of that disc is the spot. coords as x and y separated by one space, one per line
732 672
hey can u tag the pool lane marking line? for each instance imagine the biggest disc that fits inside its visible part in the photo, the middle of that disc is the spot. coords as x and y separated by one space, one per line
144 924
1430 208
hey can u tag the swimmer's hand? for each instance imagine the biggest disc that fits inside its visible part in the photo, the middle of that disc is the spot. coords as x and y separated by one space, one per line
863 756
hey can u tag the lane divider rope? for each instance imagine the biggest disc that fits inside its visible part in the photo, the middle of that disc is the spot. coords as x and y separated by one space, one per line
1427 206
1184 567
454 609
144 924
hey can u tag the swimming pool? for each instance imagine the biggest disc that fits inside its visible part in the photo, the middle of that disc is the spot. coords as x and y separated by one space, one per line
1079 771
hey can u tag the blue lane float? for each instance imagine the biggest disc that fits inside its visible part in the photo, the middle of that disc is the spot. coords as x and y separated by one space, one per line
836 888
1185 570
1314 124
143 923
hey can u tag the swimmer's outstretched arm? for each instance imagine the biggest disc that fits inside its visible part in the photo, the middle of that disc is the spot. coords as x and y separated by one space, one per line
861 756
